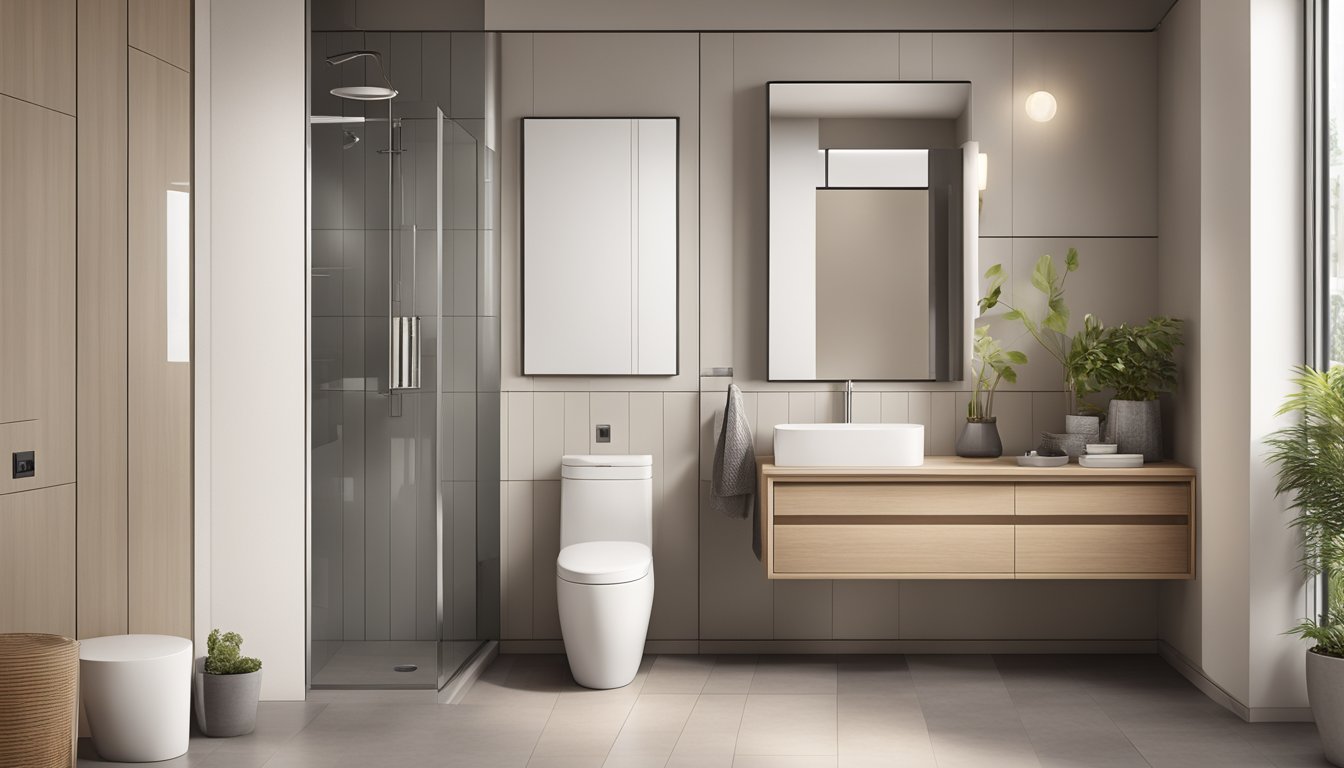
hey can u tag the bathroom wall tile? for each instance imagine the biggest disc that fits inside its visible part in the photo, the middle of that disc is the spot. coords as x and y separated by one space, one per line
377 516
866 610
921 412
504 436
610 408
944 425
436 50
426 545
462 504
709 404
895 407
716 208
1013 411
520 436
327 299
1047 414
802 407
353 514
457 454
403 65
736 599
771 408
327 159
867 407
467 84
987 61
545 549
406 496
916 56
1106 86
464 353
676 525
830 407
577 424
351 275
461 285
646 434
375 272
516 561
802 610
1028 610
548 434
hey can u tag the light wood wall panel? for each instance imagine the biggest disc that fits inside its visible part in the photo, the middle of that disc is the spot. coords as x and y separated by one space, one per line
37 561
162 28
159 404
101 324
37 289
37 52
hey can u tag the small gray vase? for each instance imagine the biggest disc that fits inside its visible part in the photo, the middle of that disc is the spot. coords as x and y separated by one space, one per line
980 440
226 705
1135 426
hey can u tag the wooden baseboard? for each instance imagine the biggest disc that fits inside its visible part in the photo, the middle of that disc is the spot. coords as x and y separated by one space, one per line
1195 674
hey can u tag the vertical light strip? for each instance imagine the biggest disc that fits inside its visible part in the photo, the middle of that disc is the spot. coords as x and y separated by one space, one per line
177 275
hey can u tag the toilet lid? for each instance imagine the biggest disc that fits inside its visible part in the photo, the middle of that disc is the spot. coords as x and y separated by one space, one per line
603 562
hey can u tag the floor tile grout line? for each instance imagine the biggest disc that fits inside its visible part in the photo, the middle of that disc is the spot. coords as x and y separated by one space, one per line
1122 731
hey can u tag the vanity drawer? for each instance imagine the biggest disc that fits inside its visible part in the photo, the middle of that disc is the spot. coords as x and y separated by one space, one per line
1103 499
894 549
892 499
1133 549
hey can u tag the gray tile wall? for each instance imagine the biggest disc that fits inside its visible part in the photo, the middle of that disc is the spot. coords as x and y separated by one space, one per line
1086 179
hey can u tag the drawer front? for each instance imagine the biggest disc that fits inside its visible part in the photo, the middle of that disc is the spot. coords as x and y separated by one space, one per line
1103 499
885 499
1126 549
955 550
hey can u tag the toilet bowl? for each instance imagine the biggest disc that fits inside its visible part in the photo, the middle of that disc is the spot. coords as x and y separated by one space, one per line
604 572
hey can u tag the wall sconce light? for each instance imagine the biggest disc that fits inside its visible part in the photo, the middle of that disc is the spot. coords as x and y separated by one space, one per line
983 171
1041 106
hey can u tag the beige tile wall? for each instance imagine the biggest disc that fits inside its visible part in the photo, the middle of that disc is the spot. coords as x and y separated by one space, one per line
1086 180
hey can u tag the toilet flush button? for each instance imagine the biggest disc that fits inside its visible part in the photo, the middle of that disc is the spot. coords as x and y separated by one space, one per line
604 433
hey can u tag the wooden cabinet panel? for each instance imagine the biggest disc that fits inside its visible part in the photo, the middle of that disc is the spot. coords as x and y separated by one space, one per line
37 52
1128 550
894 551
793 499
158 376
1103 499
37 283
162 28
37 561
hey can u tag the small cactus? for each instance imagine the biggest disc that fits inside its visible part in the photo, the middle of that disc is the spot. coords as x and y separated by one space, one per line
224 655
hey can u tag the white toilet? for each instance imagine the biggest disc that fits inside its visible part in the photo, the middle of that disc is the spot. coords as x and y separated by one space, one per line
604 574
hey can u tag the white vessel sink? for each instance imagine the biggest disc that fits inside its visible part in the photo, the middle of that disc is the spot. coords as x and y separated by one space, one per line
849 445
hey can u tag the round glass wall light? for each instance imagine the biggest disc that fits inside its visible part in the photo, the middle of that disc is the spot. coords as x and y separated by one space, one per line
1041 106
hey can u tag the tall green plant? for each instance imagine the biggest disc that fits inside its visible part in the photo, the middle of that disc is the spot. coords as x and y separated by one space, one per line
996 364
1139 361
1310 459
1075 355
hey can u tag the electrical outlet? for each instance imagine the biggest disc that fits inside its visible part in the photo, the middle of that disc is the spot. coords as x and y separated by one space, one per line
604 433
25 464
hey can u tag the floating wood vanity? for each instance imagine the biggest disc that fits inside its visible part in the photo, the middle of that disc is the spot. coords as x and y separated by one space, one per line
958 518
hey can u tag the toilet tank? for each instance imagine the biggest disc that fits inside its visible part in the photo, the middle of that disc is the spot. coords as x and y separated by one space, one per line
606 498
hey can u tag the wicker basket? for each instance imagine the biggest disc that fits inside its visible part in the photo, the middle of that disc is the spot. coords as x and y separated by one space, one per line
39 692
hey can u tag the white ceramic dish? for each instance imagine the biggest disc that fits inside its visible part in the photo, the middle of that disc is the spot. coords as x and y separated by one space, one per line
1035 460
1113 461
1101 449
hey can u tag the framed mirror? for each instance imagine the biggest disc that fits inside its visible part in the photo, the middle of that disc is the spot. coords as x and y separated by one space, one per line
873 226
599 246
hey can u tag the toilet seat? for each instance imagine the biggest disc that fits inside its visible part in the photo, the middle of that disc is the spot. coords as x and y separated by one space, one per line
604 562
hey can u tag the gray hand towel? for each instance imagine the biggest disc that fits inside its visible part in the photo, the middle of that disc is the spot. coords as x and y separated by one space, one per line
732 486
733 483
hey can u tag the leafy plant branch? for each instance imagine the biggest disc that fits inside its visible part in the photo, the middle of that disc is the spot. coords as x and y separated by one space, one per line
996 365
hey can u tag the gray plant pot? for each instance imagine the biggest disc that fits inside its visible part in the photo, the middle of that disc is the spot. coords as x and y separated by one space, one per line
1135 426
980 440
1088 426
226 705
1325 692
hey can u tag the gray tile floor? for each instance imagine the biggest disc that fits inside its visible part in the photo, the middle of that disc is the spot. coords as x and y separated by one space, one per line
791 712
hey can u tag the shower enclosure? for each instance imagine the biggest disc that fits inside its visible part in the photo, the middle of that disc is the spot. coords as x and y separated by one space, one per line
405 363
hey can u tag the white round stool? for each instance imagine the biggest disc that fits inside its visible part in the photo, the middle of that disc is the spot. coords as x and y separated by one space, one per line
136 691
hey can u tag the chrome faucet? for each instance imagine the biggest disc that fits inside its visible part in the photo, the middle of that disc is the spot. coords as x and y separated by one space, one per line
849 401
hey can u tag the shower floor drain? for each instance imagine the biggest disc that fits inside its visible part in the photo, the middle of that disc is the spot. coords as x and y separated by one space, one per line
405 668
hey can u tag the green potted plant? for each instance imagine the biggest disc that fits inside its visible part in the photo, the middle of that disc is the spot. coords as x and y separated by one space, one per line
980 437
1076 354
1139 363
228 689
1310 459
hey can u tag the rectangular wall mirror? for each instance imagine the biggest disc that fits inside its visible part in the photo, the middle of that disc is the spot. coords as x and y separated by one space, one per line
599 246
873 226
